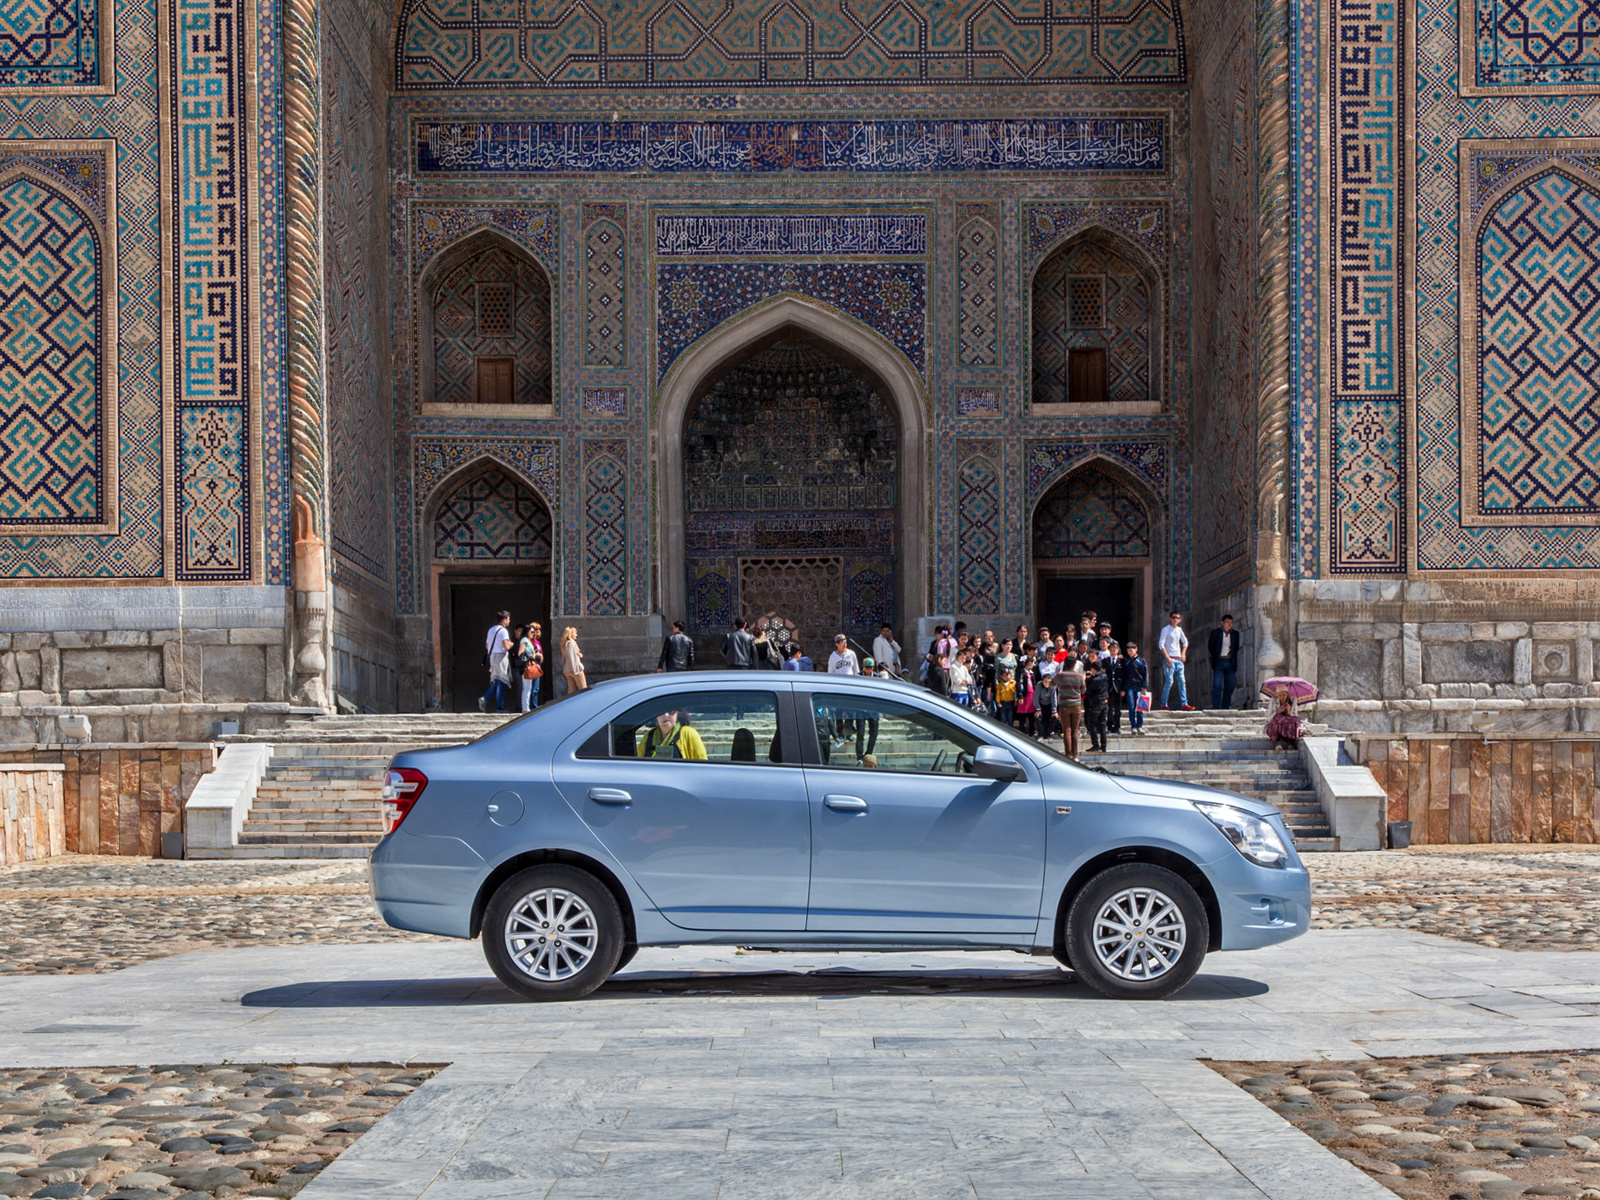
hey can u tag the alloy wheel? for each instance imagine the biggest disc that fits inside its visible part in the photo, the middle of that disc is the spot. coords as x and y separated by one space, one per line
551 934
1139 934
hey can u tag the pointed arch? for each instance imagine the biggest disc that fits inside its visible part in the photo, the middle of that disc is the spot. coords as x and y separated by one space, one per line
1153 587
1132 330
58 296
531 339
865 351
451 484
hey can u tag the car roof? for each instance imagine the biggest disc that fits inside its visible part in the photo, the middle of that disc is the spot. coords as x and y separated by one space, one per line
763 679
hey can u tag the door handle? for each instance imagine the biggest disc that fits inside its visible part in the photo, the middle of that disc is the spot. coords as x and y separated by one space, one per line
853 804
610 796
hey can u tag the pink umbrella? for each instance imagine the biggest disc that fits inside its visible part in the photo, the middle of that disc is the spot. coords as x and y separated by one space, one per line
1300 690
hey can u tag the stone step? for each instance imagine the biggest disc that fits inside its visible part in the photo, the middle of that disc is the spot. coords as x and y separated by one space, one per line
363 838
286 850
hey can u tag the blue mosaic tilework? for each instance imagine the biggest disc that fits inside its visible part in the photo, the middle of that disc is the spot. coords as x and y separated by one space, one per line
1366 301
482 44
1306 355
1049 461
435 459
604 401
978 401
435 226
605 290
1085 145
1538 335
51 44
868 597
213 435
1454 140
1048 224
710 600
1090 515
52 422
463 329
492 518
777 235
694 298
605 523
978 537
978 294
1530 45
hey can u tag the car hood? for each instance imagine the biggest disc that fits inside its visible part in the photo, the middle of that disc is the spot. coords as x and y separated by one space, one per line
1171 789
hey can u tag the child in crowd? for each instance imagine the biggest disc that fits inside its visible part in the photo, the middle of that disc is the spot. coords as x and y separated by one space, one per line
1005 696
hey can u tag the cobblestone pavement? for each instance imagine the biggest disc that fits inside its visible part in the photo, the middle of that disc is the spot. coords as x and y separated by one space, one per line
92 914
1516 898
184 1131
1495 1126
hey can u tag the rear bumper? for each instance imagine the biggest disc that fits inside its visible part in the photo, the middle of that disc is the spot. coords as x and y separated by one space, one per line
426 884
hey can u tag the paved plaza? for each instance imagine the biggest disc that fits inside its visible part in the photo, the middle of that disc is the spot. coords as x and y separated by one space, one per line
716 1073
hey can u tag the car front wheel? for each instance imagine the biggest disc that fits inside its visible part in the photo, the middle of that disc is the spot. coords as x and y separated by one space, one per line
1137 932
552 932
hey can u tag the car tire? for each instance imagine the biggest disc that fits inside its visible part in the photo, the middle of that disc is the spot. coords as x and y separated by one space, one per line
553 932
1125 903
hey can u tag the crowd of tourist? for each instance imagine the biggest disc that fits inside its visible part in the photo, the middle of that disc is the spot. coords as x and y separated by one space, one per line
1075 684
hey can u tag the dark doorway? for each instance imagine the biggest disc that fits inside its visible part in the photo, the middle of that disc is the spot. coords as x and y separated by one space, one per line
471 603
1065 598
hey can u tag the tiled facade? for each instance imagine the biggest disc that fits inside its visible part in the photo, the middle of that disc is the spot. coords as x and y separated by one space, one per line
1341 256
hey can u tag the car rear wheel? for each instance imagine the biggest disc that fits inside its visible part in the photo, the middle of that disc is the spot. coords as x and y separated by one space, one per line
552 932
1137 932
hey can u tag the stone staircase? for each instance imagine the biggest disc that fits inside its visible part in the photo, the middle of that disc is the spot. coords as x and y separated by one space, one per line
321 797
1228 750
321 794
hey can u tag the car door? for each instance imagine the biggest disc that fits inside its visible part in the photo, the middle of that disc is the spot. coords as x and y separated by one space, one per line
710 816
904 838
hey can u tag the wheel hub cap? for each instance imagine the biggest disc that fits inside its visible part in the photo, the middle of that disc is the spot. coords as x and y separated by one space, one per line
1139 934
551 934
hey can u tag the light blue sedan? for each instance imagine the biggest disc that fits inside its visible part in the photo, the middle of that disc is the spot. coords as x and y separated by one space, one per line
812 811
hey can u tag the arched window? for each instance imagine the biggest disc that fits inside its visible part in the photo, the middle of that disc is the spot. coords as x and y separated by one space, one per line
488 313
1096 325
1091 514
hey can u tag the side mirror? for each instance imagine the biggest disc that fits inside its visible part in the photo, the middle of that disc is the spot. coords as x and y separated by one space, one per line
991 762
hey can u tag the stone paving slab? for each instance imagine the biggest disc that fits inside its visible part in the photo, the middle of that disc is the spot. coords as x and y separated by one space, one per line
831 1075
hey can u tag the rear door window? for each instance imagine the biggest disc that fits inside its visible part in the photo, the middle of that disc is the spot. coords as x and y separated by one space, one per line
694 726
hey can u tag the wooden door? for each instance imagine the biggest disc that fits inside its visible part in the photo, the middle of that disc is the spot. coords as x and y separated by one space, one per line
497 381
1086 382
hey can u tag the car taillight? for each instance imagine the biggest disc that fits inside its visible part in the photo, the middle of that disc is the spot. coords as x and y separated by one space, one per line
402 788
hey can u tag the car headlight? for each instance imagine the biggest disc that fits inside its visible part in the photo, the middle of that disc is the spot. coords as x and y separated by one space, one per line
1253 836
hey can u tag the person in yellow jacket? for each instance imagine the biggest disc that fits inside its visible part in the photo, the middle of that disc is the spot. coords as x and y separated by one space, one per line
670 739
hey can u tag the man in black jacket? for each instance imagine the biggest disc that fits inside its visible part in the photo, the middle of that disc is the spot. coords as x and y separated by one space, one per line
1224 651
1096 700
739 648
677 651
1135 679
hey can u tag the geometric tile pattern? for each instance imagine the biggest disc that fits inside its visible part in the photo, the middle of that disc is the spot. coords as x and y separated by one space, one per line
868 598
1522 46
710 600
1143 224
603 401
1368 462
977 402
978 527
1225 328
1364 290
1049 461
52 431
468 324
1126 310
1089 514
1536 343
213 268
492 45
492 517
359 404
53 44
605 290
978 283
693 298
1078 144
605 521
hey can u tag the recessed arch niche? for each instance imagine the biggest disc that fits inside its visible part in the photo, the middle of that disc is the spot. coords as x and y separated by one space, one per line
1097 295
882 369
484 327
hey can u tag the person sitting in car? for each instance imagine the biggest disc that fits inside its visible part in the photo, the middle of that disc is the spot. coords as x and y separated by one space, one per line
669 738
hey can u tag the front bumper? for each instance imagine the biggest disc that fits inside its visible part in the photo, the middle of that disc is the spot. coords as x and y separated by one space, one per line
1261 906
